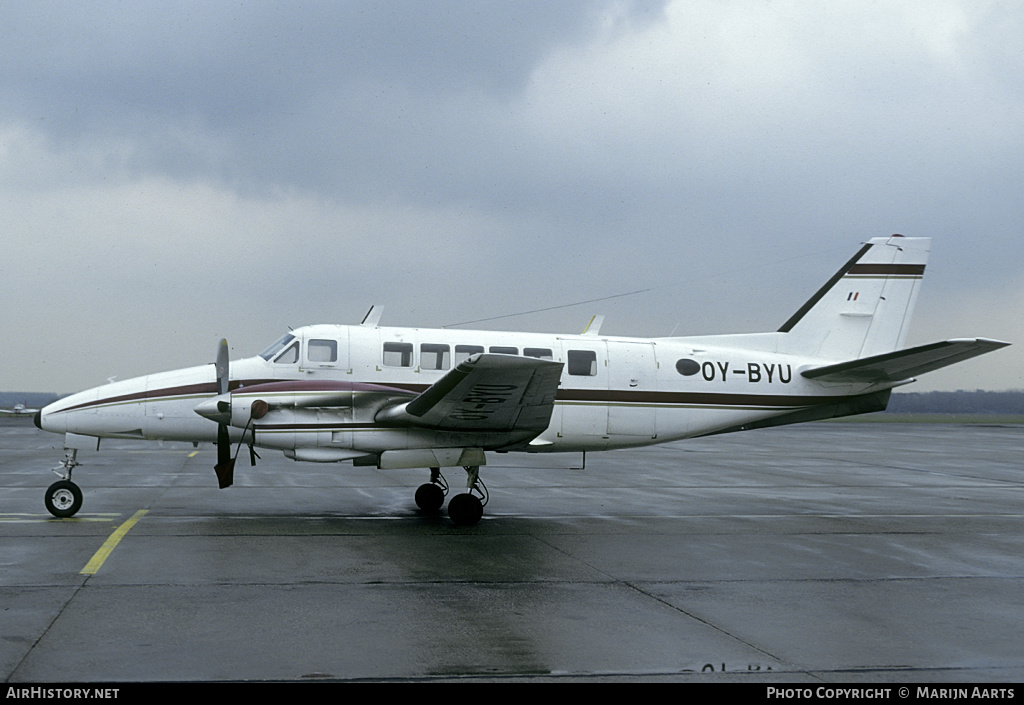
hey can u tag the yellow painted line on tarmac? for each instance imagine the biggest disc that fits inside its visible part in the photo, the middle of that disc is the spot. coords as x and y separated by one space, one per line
193 454
110 544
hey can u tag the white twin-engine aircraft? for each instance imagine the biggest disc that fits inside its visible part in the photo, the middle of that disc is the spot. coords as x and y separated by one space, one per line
18 410
434 398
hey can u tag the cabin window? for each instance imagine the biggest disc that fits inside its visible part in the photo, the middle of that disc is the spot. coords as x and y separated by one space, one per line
463 352
503 350
582 363
289 356
541 353
434 356
277 347
322 351
398 354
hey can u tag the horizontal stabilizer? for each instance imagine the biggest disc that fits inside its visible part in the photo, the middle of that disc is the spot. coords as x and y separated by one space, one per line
904 364
487 392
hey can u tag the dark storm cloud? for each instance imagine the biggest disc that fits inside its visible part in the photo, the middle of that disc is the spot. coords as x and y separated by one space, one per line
728 156
353 100
102 66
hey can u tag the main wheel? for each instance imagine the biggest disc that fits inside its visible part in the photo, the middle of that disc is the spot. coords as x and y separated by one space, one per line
465 509
429 497
63 498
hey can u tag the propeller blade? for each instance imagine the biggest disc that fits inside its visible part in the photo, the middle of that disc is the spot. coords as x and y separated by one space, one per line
223 444
225 467
223 375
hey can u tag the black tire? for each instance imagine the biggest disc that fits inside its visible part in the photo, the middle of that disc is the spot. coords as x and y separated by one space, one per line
63 499
429 497
465 509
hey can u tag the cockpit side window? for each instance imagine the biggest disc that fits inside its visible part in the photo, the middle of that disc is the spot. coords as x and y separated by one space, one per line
290 356
277 347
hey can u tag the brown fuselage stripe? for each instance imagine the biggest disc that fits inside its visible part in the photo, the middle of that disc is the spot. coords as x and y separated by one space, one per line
591 396
187 390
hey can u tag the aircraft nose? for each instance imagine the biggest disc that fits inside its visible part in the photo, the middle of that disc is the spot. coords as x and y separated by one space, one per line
50 418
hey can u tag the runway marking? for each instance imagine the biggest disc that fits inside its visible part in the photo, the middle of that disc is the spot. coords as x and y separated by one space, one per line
110 544
37 518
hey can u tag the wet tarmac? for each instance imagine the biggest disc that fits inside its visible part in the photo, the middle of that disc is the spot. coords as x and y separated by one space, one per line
836 552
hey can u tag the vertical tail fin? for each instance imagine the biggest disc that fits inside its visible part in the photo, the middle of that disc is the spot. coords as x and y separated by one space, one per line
865 308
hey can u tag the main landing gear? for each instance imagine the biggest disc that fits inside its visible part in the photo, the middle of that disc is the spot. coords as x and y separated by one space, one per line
464 509
64 498
430 497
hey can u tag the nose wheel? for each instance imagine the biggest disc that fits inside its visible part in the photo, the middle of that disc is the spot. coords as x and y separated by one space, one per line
63 498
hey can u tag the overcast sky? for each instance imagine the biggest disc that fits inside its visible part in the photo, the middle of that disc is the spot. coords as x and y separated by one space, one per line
172 173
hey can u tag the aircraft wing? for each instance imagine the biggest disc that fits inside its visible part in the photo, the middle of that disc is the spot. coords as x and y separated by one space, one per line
487 392
904 364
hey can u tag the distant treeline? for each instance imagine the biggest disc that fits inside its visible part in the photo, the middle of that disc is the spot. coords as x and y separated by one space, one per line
959 402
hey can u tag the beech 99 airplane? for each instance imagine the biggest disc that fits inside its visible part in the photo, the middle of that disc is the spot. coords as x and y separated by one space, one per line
433 398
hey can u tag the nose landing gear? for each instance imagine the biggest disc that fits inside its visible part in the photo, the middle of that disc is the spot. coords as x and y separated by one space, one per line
64 498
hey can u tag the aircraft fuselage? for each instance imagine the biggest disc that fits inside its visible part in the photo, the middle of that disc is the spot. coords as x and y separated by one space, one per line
614 392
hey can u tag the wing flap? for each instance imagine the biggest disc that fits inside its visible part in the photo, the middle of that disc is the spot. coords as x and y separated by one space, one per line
487 392
904 364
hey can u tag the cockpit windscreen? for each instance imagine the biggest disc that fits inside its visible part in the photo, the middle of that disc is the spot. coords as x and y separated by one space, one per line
277 346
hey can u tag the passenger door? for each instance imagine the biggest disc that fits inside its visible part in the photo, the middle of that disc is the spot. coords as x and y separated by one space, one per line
632 377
